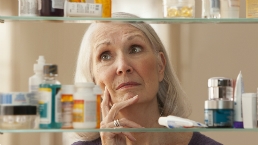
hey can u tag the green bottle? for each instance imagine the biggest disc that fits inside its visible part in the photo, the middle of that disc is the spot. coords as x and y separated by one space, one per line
50 108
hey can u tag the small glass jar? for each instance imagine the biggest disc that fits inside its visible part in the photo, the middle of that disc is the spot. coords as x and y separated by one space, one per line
179 8
18 117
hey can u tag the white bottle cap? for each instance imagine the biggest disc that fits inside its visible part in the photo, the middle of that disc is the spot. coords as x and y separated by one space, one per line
163 121
39 66
67 89
84 84
97 90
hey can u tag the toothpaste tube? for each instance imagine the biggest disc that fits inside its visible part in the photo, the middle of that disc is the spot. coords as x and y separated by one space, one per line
178 122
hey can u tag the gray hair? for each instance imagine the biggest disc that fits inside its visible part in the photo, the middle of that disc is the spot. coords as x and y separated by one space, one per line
171 97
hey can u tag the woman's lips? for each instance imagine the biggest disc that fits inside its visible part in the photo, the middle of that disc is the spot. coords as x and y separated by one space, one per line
128 84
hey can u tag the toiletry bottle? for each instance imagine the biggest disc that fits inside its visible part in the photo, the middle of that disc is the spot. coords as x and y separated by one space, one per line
37 78
67 106
230 8
219 109
239 90
98 92
107 7
51 8
211 9
84 107
50 99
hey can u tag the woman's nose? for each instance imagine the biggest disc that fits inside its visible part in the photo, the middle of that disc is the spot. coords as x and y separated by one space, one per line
124 66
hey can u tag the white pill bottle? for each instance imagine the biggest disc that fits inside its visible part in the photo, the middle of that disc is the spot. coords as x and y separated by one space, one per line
84 106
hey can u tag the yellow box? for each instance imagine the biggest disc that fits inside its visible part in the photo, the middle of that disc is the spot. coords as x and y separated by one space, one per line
251 8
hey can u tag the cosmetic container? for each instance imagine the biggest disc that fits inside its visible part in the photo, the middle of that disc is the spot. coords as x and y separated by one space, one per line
51 8
84 107
178 122
249 110
67 106
75 9
230 8
220 88
211 9
15 98
239 90
28 7
90 8
179 8
50 108
18 117
251 8
36 80
219 113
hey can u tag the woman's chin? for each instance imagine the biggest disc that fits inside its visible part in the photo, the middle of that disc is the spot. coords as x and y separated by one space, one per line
129 95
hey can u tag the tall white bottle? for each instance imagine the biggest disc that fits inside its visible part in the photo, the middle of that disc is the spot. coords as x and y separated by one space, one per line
38 76
36 80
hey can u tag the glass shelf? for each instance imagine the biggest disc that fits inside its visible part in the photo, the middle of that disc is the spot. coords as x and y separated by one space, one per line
130 130
128 20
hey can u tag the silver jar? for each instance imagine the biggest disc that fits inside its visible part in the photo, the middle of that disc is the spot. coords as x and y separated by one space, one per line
220 88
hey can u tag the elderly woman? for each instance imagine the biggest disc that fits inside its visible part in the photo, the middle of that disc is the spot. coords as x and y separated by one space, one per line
130 64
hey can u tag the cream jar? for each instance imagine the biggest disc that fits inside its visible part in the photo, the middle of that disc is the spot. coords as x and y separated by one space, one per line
220 88
18 117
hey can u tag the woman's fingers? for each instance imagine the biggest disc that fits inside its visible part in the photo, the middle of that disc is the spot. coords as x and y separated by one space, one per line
123 123
105 103
118 106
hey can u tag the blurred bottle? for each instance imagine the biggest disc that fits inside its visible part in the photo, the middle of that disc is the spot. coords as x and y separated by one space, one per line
51 8
211 9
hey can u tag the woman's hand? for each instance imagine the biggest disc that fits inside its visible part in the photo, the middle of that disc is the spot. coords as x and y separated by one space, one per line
108 118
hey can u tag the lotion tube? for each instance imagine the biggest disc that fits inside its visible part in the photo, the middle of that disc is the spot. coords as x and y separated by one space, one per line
239 90
178 122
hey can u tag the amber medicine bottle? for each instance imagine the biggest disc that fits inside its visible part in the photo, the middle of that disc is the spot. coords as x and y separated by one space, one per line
67 106
107 7
98 92
84 106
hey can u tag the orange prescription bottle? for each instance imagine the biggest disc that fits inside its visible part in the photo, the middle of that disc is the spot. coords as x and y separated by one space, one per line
107 7
67 106
84 107
98 92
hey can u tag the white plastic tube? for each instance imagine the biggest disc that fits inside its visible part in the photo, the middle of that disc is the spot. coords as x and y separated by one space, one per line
178 122
239 90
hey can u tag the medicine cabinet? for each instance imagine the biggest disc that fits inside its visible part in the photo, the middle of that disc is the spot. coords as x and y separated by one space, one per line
199 49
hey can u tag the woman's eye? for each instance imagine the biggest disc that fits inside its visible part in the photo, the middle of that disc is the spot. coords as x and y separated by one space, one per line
135 49
105 56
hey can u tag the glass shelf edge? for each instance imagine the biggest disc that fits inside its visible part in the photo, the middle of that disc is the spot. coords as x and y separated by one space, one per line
130 130
128 20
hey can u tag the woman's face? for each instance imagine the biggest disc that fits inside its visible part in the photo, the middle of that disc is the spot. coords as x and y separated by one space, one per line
124 62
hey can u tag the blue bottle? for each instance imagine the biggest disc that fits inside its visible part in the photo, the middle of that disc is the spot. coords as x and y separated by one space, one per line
50 108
